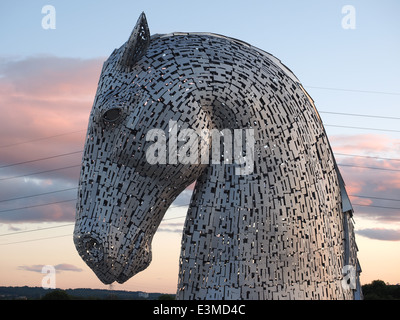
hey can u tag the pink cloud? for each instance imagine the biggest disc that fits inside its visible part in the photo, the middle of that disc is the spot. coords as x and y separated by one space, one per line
365 143
375 179
380 234
59 268
374 174
44 96
51 78
353 187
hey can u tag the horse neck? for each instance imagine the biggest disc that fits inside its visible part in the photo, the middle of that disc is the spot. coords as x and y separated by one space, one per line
227 206
238 225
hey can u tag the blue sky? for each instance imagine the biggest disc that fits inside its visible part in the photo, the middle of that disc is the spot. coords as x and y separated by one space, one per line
48 80
305 35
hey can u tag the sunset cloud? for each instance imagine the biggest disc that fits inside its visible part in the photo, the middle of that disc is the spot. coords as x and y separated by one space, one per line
373 184
365 143
171 227
43 97
372 174
59 268
380 234
49 78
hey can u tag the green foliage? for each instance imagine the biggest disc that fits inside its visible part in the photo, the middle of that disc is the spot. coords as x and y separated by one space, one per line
57 295
379 290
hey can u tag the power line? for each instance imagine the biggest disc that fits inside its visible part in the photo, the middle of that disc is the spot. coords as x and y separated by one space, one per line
361 128
354 90
63 201
75 152
33 230
48 238
366 167
172 207
370 197
74 188
327 112
66 154
360 115
76 166
40 139
31 240
38 205
67 235
41 159
373 206
360 156
180 217
40 172
39 194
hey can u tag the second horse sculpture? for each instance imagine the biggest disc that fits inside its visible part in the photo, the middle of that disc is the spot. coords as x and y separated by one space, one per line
269 217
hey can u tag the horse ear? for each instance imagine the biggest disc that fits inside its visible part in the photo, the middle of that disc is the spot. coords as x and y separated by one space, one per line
137 44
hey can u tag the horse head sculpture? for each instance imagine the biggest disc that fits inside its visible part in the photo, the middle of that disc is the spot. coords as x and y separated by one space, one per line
269 217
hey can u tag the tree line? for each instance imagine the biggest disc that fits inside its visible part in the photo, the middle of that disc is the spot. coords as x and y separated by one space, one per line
379 290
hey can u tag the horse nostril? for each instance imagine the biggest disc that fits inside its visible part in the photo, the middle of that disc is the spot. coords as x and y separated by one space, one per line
91 249
91 245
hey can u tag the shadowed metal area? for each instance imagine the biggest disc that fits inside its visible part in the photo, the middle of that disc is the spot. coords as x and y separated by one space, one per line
269 217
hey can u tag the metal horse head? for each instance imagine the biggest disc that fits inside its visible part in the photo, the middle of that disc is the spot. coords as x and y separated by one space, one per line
269 216
122 197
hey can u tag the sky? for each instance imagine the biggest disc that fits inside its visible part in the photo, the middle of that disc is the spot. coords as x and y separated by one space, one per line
48 80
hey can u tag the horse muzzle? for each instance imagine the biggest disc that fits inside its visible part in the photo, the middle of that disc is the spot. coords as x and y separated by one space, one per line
110 261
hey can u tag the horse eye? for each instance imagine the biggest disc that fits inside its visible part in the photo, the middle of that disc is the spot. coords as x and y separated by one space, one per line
112 115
